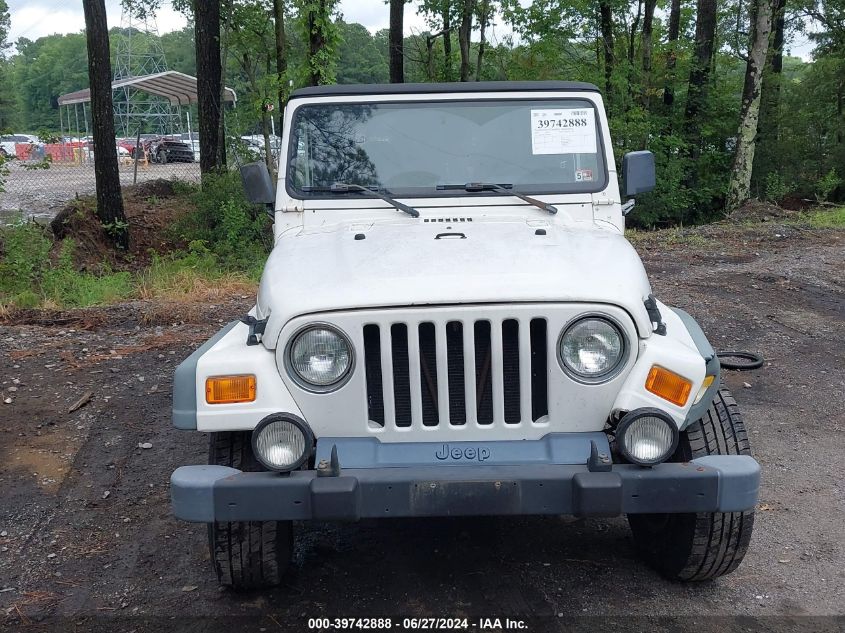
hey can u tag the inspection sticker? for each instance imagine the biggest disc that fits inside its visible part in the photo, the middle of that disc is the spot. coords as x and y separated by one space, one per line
563 131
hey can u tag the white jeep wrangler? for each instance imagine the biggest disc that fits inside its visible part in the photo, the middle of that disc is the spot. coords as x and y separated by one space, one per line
452 323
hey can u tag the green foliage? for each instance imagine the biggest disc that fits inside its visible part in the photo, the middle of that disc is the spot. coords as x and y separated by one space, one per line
825 219
234 231
29 279
317 20
23 256
65 286
776 187
827 185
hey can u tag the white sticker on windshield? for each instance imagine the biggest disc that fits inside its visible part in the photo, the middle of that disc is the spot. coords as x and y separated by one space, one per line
563 131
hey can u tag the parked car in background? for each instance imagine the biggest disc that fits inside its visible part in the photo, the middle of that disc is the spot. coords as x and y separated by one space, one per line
9 143
193 140
168 149
255 147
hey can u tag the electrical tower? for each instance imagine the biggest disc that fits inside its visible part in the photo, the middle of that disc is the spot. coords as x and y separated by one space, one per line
139 52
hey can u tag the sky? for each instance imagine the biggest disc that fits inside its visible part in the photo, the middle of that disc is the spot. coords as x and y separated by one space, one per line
35 18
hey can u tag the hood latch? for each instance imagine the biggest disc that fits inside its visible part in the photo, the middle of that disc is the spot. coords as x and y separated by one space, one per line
256 327
654 315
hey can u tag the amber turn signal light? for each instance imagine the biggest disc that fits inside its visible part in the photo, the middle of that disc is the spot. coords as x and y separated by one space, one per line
230 389
668 385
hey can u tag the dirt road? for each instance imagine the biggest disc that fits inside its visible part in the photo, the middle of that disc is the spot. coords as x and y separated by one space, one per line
87 539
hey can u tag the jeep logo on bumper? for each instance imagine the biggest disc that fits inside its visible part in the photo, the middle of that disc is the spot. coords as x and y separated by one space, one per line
470 453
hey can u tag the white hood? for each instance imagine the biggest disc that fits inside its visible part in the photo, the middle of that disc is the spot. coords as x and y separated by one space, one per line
403 264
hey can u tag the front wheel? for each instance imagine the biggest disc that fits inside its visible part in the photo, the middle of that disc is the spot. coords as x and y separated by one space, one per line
246 554
705 545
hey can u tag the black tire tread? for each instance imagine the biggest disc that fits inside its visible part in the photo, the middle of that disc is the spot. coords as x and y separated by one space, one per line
712 544
248 554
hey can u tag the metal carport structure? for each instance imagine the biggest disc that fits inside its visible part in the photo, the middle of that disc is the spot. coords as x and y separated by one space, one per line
180 89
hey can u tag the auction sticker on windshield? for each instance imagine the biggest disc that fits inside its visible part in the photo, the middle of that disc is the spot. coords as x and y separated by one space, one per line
563 131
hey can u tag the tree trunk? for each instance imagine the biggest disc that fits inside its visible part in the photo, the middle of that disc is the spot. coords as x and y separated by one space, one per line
768 129
209 85
606 27
396 42
671 57
705 32
266 118
281 58
316 41
447 39
648 26
106 173
632 36
482 20
739 189
464 33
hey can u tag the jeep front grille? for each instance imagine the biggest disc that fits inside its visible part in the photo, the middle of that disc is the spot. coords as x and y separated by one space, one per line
483 371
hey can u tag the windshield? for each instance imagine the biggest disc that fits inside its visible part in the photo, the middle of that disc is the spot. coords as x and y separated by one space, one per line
537 146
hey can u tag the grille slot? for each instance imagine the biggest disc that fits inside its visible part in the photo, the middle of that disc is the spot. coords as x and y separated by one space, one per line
455 364
372 367
539 370
510 367
401 374
491 373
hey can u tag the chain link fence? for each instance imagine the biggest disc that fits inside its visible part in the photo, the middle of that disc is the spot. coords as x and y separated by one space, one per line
41 178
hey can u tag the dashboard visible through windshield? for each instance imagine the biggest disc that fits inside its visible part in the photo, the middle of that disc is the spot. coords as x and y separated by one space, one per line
412 148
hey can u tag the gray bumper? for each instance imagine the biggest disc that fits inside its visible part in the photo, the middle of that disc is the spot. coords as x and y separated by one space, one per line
708 484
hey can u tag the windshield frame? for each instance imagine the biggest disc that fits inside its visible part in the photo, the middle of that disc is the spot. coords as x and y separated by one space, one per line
598 185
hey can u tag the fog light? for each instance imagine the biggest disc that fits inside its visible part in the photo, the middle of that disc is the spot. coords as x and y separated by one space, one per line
282 442
646 437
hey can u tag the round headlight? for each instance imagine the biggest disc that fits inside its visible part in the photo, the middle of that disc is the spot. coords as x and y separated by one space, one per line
282 442
647 436
320 357
591 349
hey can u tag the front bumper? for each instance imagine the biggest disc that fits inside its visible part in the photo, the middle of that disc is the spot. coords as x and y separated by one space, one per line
715 483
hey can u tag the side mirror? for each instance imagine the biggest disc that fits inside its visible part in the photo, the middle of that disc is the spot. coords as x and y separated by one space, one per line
258 186
638 175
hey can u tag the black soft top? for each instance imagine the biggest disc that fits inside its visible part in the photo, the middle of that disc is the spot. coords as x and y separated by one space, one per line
453 87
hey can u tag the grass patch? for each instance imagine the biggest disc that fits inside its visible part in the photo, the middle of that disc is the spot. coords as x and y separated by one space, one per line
34 274
195 276
227 240
669 237
824 218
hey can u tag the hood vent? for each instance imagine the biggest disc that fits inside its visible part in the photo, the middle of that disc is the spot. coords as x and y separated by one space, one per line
451 220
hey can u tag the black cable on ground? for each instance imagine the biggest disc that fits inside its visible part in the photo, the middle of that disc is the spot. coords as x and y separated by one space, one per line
755 361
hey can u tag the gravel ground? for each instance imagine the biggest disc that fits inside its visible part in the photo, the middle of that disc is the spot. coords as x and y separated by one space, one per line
87 540
41 193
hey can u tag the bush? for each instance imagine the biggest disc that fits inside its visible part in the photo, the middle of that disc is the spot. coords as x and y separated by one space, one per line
827 185
776 187
28 279
24 256
236 232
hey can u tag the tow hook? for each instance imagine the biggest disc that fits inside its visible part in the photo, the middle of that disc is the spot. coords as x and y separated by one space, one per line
598 462
329 469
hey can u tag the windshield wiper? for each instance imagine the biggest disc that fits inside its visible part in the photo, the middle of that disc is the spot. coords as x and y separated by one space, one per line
505 188
342 187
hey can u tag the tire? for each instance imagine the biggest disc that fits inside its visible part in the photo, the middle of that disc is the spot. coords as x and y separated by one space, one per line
247 554
706 545
162 157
